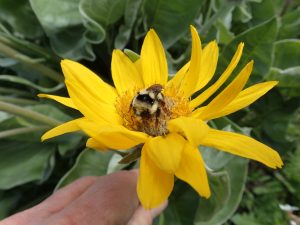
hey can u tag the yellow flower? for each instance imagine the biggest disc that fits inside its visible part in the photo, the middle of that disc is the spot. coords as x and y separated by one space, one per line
145 108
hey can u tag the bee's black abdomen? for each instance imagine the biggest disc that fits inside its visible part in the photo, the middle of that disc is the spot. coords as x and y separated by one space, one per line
145 98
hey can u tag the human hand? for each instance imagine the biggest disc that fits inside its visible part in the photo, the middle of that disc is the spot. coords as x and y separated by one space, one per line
107 200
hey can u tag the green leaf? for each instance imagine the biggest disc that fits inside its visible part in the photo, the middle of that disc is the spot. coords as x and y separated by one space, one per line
245 219
286 53
131 11
289 80
290 27
275 128
62 23
262 11
170 18
182 205
286 67
258 46
23 162
88 163
20 18
227 189
187 207
100 14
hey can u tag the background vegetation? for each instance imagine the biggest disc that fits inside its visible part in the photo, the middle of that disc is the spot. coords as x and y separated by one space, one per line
36 34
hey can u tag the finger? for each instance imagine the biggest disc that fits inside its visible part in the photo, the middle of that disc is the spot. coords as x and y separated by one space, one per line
54 203
112 199
145 217
63 197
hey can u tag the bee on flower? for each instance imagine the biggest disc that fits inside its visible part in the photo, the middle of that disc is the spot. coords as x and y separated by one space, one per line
146 109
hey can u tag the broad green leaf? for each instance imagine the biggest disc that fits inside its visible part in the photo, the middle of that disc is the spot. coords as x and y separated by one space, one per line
20 18
258 46
100 14
55 14
131 11
23 162
182 205
62 23
170 18
293 128
71 43
244 219
286 67
187 207
262 11
286 53
289 80
227 192
88 163
290 25
276 129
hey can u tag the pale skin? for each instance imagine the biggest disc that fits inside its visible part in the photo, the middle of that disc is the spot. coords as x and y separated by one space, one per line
105 200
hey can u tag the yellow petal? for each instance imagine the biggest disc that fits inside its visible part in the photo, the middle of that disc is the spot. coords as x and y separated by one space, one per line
226 96
154 185
124 73
212 89
114 137
88 81
209 61
94 144
189 84
153 60
245 98
192 170
67 127
90 107
166 151
138 66
193 129
179 77
63 100
243 146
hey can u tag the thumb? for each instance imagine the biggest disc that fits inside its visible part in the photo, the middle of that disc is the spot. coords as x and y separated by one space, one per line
142 216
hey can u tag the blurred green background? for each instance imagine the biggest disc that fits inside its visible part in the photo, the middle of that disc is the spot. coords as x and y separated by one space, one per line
36 34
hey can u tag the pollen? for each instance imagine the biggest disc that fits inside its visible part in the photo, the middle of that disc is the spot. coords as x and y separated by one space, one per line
154 123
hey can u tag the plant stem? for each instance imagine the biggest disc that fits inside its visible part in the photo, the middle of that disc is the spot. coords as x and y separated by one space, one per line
22 101
13 91
20 111
22 130
29 62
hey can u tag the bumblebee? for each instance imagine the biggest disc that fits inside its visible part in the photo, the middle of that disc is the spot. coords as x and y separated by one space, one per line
150 109
148 102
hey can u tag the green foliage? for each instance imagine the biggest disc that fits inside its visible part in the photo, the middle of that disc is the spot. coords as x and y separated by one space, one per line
36 34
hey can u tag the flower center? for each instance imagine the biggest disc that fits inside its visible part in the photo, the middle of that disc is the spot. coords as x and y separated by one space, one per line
149 110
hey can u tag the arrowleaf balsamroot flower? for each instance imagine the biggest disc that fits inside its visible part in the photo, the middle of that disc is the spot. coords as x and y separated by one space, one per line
144 108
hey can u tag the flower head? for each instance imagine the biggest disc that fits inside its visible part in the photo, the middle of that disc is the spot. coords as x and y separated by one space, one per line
144 108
